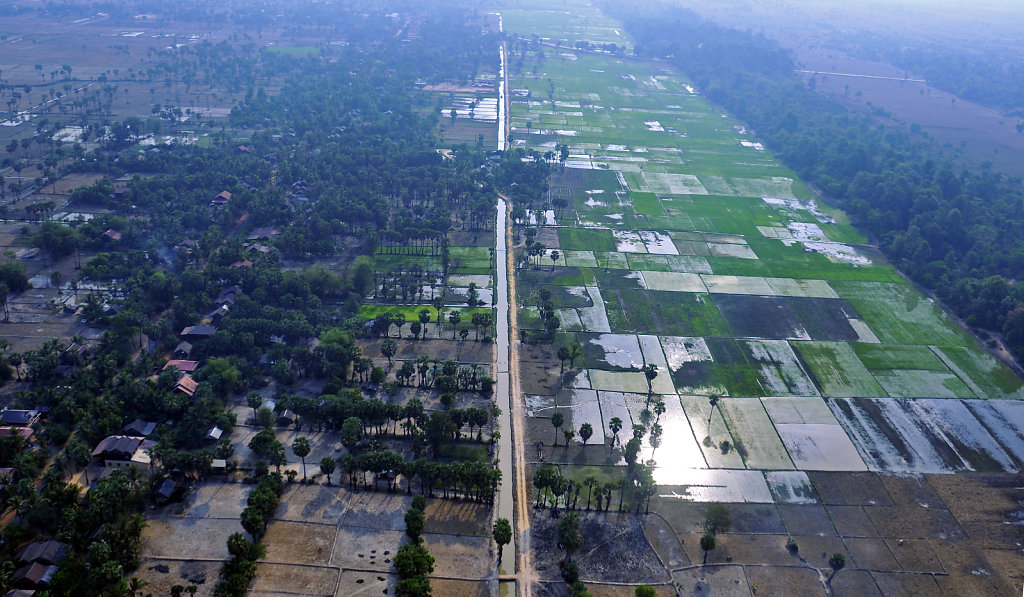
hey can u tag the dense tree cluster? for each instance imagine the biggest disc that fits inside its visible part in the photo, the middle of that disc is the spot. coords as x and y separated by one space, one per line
340 150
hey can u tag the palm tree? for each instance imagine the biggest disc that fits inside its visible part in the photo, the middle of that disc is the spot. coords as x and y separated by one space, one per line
300 447
4 290
424 317
438 303
659 409
650 373
563 356
590 482
714 402
454 318
388 348
557 420
586 431
615 426
575 352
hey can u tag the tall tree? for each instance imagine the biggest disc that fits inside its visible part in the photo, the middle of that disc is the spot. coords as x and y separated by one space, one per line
650 373
707 543
837 562
388 348
327 466
454 317
438 303
615 426
301 448
502 533
557 420
569 536
586 431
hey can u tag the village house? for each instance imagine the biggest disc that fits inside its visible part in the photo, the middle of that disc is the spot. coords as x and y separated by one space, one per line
222 198
20 418
123 451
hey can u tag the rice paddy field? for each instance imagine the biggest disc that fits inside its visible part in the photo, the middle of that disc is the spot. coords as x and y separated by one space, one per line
686 244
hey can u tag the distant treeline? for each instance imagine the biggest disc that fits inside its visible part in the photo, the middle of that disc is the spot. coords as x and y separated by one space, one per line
959 234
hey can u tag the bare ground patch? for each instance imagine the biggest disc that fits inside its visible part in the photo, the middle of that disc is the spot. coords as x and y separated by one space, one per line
614 549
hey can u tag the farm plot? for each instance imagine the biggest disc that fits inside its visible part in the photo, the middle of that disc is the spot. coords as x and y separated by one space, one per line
580 259
673 184
690 364
582 407
916 321
1005 421
837 370
755 436
737 285
584 239
667 263
791 487
921 436
760 317
627 381
909 383
594 319
673 281
613 404
871 423
799 410
716 485
615 352
817 447
981 372
713 435
779 369
736 251
825 319
658 243
673 313
678 447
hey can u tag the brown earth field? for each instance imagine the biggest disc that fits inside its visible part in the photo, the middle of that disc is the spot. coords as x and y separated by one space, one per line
323 540
980 133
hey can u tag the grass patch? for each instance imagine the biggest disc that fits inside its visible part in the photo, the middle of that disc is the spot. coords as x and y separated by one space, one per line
668 313
983 373
915 320
463 452
582 239
412 312
882 357
647 204
837 370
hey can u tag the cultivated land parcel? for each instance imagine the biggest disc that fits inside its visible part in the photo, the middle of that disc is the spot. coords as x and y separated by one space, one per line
685 244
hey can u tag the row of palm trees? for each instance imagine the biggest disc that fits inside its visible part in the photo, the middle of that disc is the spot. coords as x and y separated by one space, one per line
475 481
551 484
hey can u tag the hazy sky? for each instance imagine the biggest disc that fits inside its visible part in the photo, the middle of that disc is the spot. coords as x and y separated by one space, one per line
982 22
